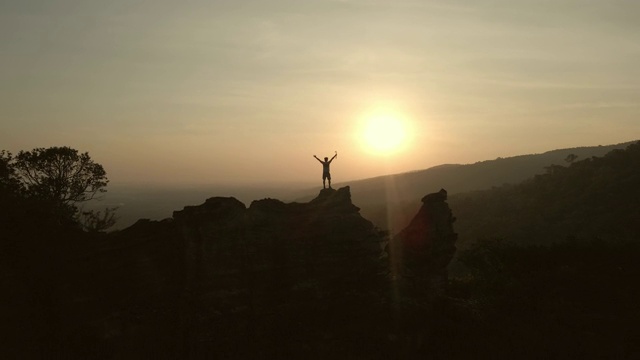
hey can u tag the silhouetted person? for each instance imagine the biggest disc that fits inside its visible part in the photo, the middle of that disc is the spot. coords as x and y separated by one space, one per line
326 174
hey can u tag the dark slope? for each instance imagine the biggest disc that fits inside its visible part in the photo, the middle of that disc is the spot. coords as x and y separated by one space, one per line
595 197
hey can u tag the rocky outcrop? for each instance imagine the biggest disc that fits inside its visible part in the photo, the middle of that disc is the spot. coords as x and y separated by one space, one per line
302 266
272 280
282 272
420 253
272 249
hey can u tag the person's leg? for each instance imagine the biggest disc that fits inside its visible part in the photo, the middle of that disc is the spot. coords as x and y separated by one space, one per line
329 178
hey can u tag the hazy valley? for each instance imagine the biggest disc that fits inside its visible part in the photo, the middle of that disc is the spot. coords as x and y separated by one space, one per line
389 201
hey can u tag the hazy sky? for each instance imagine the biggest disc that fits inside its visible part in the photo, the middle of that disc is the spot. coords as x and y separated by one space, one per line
199 91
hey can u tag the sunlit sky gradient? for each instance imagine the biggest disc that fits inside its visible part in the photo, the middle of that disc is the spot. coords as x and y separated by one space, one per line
246 91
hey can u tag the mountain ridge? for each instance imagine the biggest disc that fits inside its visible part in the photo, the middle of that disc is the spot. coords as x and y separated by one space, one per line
389 201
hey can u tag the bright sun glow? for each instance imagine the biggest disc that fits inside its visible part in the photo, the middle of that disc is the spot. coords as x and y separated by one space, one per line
384 133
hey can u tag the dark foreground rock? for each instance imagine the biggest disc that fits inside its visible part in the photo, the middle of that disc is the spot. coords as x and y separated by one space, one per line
278 273
274 247
221 280
420 253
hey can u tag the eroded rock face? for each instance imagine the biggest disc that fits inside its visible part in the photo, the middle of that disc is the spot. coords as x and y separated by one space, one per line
275 256
420 253
276 276
275 249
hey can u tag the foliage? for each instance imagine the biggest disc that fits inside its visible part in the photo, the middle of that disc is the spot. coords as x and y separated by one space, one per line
60 174
559 297
95 221
571 158
594 197
9 184
555 274
44 186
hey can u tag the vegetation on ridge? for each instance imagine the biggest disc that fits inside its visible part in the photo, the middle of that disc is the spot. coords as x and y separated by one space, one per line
52 182
590 198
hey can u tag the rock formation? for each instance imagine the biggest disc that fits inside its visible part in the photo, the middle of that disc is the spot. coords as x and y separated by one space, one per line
270 280
420 253
272 248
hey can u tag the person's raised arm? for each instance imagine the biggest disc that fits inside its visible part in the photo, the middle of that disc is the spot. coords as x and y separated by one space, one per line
334 156
317 158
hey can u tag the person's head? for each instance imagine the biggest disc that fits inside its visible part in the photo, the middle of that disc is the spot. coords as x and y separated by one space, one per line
326 158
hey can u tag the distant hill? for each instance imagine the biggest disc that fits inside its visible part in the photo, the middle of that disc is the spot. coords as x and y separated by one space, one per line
390 201
596 198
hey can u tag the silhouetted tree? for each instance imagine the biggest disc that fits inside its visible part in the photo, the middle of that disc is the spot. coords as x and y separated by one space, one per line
60 174
9 183
571 158
94 221
553 169
47 184
9 193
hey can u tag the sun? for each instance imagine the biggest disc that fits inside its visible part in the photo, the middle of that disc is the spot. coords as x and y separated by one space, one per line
384 133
